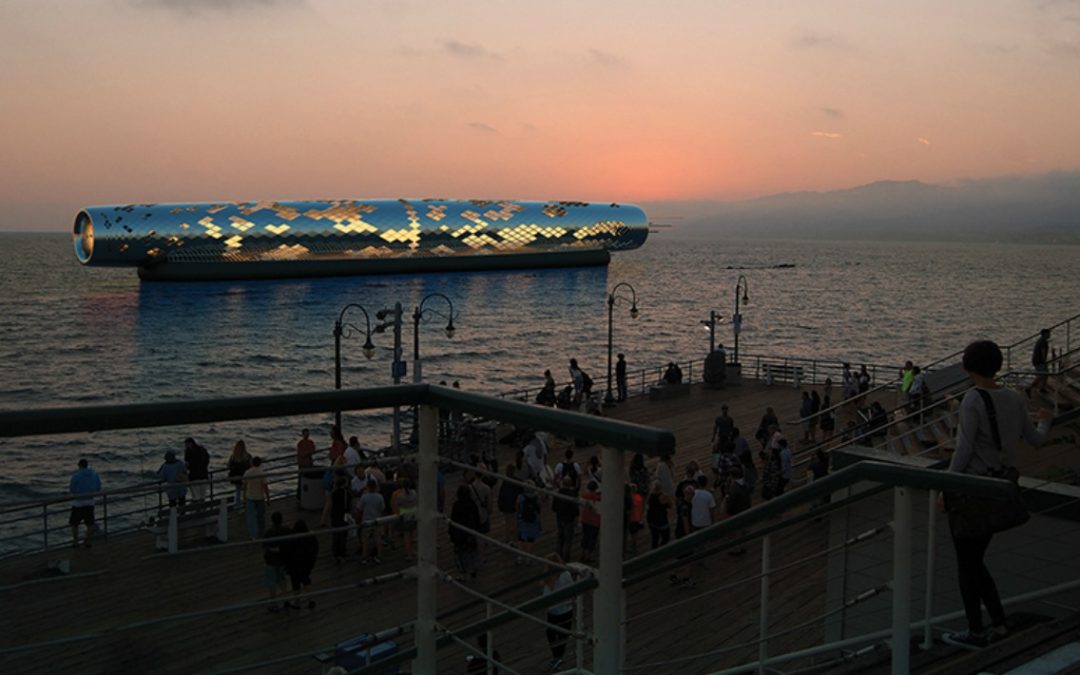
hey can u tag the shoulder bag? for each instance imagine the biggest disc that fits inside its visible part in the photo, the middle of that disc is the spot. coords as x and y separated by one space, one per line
974 517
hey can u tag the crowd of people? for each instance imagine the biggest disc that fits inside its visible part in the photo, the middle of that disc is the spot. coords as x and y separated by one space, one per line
548 499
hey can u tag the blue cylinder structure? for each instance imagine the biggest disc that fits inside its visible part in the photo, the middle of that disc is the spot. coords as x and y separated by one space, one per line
270 239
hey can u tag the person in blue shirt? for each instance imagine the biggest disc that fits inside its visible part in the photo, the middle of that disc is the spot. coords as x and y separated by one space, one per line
173 472
84 483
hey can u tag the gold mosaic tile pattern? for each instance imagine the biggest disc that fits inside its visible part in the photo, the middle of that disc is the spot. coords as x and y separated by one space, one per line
137 234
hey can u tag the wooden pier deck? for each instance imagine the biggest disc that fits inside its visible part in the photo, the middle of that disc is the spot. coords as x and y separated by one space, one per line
124 594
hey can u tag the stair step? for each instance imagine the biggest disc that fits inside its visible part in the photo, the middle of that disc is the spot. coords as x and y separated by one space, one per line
1060 660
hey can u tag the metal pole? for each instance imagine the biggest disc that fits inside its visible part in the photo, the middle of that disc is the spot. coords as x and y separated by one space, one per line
607 653
337 366
901 585
712 331
397 376
608 398
931 551
427 532
490 642
45 525
416 346
735 322
763 612
105 515
579 627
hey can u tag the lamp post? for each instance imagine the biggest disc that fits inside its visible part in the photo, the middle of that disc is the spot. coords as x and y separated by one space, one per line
612 298
710 326
418 314
339 328
736 321
392 318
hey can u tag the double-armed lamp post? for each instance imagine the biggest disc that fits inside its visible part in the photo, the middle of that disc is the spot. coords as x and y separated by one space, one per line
419 313
390 318
614 297
340 328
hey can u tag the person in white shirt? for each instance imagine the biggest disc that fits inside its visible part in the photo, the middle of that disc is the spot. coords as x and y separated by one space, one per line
702 506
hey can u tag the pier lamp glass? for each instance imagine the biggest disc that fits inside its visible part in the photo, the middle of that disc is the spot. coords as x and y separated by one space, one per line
450 328
368 349
633 311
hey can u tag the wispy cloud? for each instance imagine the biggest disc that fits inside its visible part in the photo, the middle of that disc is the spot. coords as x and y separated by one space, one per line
608 60
194 7
834 113
1067 49
812 40
998 48
483 128
470 51
923 141
831 135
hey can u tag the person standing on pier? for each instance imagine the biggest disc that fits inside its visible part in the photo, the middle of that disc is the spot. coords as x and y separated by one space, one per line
1039 360
620 378
993 422
577 375
173 473
198 465
84 483
256 496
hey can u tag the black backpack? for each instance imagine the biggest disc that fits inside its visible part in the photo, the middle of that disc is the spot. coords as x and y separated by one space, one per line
586 381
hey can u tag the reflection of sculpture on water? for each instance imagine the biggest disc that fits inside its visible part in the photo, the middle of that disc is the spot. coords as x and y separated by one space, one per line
211 339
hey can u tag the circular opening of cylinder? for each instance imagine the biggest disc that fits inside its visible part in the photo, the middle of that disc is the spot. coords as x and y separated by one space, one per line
84 237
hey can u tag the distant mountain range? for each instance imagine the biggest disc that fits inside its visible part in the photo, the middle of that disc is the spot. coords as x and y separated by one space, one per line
1043 208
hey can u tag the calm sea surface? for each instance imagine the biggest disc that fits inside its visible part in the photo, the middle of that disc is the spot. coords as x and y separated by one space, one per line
71 335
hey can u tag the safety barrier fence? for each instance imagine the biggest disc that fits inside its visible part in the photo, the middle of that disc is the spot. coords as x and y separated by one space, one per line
849 491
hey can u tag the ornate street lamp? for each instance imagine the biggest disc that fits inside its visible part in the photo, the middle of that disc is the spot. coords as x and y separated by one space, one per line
613 297
419 313
736 321
340 330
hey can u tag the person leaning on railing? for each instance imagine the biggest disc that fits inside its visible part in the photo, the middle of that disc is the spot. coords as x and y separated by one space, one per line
977 452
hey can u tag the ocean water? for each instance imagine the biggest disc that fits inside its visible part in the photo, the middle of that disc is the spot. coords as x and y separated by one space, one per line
71 335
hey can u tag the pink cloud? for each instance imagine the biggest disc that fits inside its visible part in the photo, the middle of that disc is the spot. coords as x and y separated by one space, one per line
832 135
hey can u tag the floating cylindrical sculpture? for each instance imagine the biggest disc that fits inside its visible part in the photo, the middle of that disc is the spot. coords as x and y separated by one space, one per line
271 239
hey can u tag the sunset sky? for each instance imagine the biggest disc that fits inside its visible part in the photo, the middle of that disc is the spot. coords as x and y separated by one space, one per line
117 101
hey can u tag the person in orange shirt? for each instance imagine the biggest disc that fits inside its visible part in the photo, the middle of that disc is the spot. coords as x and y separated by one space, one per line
305 450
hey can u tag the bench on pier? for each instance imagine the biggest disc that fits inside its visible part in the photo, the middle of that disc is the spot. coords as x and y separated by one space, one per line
662 392
772 372
212 516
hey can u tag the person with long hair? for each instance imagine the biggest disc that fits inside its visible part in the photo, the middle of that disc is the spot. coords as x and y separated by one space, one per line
239 462
993 422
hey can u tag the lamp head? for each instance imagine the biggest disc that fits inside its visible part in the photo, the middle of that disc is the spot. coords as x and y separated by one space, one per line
450 328
368 348
633 311
745 298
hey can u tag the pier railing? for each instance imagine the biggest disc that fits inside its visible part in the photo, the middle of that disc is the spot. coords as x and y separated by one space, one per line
869 597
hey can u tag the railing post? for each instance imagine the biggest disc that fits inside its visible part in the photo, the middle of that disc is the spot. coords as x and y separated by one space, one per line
763 611
579 628
427 555
105 516
45 525
931 551
490 642
607 603
901 584
211 479
174 531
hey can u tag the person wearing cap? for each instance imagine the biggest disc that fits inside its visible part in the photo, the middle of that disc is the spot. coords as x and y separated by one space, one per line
173 472
84 481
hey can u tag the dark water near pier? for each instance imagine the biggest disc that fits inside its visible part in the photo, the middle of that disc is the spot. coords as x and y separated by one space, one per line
77 336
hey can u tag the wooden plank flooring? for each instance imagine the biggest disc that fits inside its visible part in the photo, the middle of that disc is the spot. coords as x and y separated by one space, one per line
132 586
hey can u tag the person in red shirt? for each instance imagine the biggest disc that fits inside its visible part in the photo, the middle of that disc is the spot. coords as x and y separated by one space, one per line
337 444
305 450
